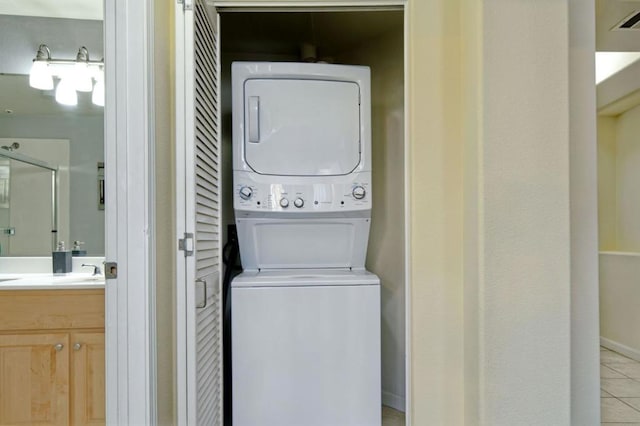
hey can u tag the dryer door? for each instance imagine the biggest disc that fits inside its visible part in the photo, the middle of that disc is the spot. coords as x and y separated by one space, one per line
301 127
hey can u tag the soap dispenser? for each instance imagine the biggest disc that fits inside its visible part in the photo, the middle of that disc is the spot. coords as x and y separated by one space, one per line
78 251
61 259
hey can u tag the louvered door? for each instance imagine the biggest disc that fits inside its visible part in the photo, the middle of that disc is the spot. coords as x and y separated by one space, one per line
199 334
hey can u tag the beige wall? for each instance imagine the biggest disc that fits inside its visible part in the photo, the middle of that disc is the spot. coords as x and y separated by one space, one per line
618 177
164 144
524 243
435 213
488 198
607 196
385 256
619 295
628 180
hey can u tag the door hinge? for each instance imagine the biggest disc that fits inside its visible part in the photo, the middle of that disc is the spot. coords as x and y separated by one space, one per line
110 270
186 244
186 4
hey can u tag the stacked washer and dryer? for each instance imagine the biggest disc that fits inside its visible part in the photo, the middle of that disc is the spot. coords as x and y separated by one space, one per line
305 312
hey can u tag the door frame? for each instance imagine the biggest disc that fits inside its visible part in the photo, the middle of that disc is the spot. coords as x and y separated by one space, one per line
130 349
351 5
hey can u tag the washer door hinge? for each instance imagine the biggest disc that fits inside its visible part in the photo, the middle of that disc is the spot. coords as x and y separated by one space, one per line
186 244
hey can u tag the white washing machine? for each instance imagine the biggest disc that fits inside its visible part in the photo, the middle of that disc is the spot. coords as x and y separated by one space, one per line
305 313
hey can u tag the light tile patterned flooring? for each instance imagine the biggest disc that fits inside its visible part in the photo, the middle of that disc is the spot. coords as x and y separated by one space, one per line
619 389
391 417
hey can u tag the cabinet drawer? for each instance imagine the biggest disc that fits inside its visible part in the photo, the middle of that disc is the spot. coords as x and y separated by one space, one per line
51 309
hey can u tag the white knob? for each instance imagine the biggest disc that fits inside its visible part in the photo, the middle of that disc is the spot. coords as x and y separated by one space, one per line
58 347
246 192
299 202
358 192
284 203
77 346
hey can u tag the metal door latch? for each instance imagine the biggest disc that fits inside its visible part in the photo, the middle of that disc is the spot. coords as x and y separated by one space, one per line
110 270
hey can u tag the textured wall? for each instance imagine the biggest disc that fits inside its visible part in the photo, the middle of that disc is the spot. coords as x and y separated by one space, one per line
524 215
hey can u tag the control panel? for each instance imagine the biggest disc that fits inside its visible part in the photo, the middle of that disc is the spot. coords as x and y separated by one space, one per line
275 197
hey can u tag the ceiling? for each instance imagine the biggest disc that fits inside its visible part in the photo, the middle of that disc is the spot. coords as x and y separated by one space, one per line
608 14
72 9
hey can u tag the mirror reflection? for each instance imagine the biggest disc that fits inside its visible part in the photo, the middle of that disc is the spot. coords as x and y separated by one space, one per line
58 124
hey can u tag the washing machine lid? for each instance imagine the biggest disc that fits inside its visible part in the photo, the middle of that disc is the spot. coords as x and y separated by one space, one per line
298 127
305 278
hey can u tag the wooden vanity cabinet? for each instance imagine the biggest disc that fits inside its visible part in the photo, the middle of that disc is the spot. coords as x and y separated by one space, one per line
52 368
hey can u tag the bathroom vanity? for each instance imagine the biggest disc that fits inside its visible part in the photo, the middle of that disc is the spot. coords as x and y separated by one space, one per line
52 367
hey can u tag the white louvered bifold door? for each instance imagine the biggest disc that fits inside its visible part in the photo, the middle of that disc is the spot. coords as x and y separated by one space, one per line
199 322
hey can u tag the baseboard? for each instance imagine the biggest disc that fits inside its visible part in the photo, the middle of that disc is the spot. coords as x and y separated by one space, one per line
394 401
620 348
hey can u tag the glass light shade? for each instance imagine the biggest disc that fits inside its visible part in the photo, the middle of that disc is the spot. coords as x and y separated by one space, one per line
40 76
98 91
66 92
82 77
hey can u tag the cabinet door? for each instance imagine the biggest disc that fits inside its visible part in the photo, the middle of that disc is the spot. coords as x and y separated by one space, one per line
34 379
87 376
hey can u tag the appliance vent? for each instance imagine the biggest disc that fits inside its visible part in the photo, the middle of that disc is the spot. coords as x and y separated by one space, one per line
630 22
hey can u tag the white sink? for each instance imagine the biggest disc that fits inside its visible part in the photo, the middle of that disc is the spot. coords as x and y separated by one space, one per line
50 281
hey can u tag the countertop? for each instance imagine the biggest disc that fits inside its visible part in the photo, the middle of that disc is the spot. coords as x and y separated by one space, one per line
72 281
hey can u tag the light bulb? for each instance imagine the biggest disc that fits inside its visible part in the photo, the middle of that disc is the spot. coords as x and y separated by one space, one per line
82 77
40 76
66 93
98 91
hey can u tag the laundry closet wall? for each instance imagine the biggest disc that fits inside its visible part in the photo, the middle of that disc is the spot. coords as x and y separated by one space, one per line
278 37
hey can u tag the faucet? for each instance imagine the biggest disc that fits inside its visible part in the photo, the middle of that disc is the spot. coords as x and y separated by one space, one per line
96 268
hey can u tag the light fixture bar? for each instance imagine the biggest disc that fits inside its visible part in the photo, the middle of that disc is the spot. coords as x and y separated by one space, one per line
80 78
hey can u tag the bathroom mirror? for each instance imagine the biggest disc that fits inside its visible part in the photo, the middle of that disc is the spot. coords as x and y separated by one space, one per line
34 124
34 195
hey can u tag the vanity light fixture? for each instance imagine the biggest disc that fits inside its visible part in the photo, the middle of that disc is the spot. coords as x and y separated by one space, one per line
76 75
40 76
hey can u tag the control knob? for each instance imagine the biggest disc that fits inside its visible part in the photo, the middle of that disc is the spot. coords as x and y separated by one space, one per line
358 192
299 202
284 203
246 192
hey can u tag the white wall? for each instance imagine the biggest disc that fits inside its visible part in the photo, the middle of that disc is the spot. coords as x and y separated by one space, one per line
85 134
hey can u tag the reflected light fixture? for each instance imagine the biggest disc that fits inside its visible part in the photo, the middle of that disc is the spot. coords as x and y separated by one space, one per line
97 97
82 75
40 76
76 75
66 92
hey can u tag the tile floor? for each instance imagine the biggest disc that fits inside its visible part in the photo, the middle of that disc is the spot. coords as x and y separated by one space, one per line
391 417
619 389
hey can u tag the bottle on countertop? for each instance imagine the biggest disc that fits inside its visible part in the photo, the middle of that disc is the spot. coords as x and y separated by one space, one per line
61 259
78 251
